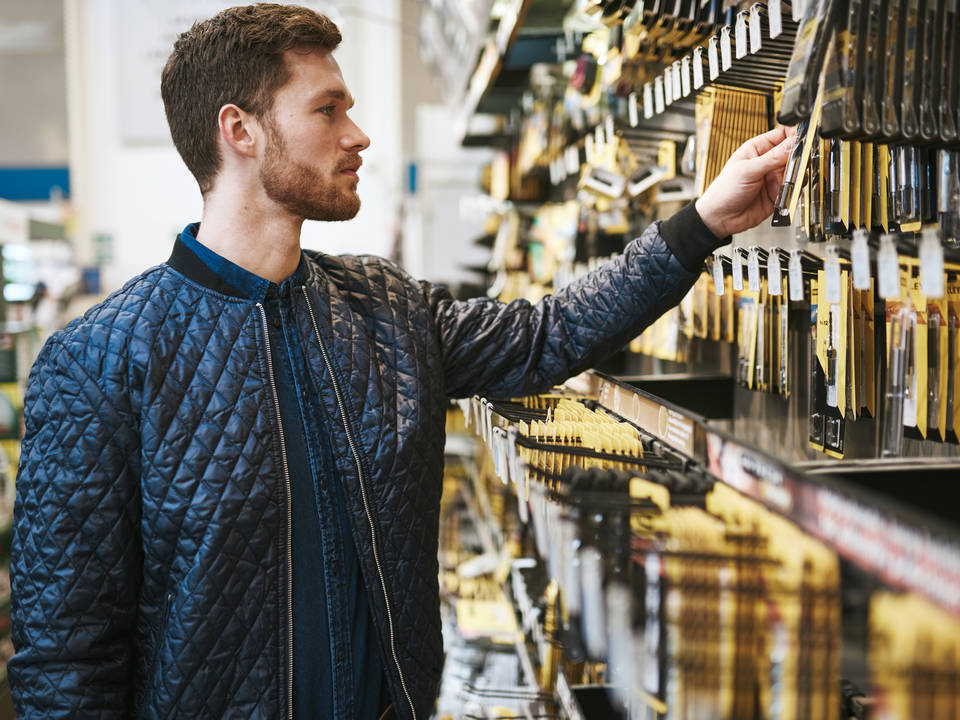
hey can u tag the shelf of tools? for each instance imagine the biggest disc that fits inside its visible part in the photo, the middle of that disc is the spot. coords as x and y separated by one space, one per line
795 324
745 515
665 569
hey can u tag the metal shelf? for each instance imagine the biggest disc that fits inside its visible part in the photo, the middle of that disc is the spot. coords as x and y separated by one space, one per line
904 548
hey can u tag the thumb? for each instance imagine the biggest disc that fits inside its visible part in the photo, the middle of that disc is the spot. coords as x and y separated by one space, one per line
773 159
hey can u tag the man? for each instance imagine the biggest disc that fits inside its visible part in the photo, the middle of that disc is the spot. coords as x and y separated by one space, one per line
227 504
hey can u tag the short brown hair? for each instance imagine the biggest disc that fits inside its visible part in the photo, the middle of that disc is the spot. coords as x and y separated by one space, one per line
234 57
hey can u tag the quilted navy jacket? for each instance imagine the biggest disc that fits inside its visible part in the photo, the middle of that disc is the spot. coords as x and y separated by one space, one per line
150 559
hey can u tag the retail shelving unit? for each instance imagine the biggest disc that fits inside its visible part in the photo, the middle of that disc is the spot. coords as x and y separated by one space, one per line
632 97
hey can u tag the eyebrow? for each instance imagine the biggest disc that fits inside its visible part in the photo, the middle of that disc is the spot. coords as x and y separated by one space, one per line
336 95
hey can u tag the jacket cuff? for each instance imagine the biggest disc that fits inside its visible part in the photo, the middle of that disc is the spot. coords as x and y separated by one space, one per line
689 239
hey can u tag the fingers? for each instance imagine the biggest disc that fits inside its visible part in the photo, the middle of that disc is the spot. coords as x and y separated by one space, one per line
772 184
762 143
772 159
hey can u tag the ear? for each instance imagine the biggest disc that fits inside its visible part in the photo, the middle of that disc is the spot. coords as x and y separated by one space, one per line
239 130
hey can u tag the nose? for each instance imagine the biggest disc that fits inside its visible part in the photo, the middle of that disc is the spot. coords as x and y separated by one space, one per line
354 140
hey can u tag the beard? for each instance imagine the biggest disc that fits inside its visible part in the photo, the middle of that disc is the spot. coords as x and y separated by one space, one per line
302 190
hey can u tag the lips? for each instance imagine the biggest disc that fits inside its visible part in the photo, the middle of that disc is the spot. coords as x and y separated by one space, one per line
352 166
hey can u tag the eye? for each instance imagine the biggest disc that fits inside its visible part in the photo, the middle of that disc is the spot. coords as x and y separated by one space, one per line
327 109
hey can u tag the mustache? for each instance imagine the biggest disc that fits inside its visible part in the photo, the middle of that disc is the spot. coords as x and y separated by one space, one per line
349 162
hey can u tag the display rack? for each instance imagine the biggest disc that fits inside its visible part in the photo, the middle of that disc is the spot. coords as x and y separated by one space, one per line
642 122
906 549
901 548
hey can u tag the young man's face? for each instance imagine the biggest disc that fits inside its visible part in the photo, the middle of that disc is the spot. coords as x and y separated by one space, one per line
312 155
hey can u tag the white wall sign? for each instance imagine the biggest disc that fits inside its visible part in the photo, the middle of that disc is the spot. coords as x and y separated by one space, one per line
147 31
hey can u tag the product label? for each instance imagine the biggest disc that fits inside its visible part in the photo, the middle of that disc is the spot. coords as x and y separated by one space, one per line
713 58
717 274
860 260
726 59
697 68
774 277
795 268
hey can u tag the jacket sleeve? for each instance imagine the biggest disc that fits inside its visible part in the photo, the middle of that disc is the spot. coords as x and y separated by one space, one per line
516 349
76 551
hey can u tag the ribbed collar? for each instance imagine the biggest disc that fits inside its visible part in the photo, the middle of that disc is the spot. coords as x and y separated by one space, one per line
208 268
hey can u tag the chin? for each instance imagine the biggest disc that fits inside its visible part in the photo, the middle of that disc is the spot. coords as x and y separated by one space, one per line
346 209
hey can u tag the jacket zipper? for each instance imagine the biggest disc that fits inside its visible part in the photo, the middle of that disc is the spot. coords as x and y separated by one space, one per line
286 477
363 493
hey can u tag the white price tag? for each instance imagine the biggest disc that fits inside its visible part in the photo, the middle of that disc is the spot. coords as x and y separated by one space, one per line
632 110
572 158
677 83
774 274
756 28
888 269
697 67
611 131
685 75
600 140
667 86
588 146
648 100
831 270
726 59
795 269
718 273
740 35
775 18
658 103
931 264
860 259
753 269
737 269
713 58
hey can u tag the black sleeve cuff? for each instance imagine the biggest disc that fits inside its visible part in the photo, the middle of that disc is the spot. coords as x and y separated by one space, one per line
689 239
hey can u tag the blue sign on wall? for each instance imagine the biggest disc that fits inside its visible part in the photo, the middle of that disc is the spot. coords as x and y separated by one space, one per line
33 183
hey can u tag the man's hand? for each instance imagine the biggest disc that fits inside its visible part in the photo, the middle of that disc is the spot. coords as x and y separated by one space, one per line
746 190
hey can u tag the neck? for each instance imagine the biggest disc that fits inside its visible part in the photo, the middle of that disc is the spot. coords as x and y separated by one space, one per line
255 236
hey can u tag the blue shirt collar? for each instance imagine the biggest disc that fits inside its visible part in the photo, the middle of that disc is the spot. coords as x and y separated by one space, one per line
244 282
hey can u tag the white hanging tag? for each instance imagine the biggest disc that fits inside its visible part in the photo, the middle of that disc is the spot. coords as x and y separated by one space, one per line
658 103
726 59
860 259
740 35
697 67
931 263
718 273
685 75
611 131
831 269
753 269
774 275
632 110
713 57
888 268
572 158
600 140
756 29
795 269
737 269
667 86
588 146
648 100
775 18
677 84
